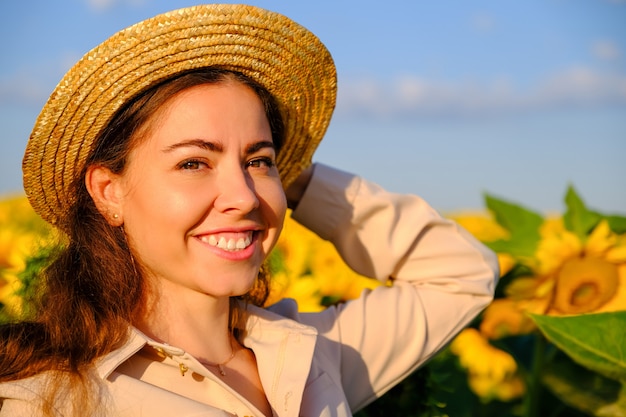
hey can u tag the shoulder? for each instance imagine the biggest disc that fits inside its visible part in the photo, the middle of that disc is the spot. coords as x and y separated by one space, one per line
23 397
108 363
280 317
287 307
27 389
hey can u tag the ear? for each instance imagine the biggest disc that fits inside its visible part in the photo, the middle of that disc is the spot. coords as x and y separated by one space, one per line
105 189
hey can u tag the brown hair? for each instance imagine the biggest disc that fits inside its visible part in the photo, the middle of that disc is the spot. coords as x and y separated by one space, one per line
94 288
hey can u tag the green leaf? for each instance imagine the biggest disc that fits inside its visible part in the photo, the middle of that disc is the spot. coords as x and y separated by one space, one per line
522 224
276 261
578 219
30 277
579 387
617 223
596 341
513 217
518 245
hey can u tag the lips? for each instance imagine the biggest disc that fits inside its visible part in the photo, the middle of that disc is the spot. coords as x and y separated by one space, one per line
231 242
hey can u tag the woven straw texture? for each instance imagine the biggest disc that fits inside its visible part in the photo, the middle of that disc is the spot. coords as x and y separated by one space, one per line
270 48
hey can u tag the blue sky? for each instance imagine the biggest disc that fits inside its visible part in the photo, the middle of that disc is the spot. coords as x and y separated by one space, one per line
446 99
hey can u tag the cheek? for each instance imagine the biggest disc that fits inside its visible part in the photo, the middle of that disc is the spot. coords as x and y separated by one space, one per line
280 204
153 209
274 205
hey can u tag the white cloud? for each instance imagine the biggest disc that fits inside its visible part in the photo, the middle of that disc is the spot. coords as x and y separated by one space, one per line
482 22
606 50
406 96
412 96
582 85
103 5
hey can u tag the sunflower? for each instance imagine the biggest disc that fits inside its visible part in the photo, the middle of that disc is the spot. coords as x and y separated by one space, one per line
504 317
312 272
495 379
585 275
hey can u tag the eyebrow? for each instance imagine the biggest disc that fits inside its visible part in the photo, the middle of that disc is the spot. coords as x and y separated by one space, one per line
217 147
195 143
257 146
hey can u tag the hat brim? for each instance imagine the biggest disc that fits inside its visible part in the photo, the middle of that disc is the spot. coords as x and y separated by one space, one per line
284 57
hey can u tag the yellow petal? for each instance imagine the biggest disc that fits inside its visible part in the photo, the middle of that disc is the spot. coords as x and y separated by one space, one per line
506 262
551 226
527 288
556 248
357 285
600 240
8 294
305 291
616 255
482 226
503 318
535 306
496 378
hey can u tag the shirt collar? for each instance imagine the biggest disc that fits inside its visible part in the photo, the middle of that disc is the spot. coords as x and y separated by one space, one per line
265 329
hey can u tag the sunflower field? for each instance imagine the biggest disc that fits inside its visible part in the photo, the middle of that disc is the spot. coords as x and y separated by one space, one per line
553 342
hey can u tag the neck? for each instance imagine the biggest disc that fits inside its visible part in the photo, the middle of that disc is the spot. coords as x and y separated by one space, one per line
190 320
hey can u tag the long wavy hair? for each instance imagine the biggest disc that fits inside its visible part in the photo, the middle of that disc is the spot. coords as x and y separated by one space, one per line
93 288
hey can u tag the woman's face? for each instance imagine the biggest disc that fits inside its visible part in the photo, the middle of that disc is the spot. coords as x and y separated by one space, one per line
202 200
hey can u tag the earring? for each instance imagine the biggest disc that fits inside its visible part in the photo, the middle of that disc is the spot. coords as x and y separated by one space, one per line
115 216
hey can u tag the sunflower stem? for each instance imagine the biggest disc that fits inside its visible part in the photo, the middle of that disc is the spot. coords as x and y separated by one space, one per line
533 395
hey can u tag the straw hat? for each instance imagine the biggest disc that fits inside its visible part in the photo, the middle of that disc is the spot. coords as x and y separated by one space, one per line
273 50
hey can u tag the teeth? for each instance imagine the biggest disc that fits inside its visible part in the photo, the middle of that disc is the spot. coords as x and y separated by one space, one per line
230 245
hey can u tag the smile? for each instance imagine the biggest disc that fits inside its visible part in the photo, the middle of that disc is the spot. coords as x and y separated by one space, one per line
229 243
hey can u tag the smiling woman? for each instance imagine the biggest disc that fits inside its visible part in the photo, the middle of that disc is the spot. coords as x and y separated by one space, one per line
168 156
206 157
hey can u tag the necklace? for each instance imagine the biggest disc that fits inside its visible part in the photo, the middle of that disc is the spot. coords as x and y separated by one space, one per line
220 365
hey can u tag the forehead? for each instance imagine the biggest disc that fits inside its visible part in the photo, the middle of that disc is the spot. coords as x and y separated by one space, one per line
226 109
169 98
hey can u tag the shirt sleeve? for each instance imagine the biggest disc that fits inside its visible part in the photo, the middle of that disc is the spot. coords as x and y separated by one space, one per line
442 279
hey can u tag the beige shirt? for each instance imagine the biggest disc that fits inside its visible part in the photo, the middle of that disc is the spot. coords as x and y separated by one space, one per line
331 363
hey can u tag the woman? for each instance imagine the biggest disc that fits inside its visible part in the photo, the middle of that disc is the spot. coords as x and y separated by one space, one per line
163 156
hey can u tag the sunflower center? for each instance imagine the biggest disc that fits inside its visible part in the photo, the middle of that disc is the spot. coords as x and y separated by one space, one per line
584 294
585 284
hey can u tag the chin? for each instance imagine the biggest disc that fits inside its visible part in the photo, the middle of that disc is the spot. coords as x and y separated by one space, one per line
244 288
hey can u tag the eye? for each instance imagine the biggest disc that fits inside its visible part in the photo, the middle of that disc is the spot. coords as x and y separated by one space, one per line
191 165
261 163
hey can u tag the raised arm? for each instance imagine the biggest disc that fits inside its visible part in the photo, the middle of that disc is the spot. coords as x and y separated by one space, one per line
442 278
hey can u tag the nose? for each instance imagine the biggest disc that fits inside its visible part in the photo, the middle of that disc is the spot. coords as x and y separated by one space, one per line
237 192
